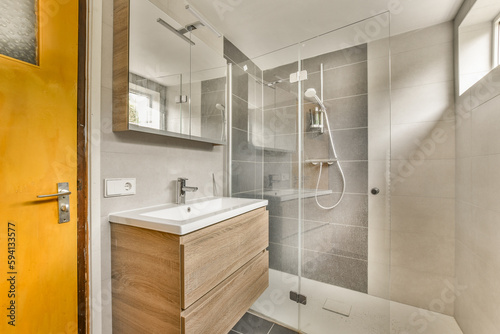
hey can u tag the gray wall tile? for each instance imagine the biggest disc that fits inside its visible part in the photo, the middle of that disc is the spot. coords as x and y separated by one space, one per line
284 258
240 114
348 112
347 241
353 210
242 149
331 60
351 144
284 231
240 83
343 81
356 177
336 270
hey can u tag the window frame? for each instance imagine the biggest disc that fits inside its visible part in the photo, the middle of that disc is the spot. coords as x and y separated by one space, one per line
496 41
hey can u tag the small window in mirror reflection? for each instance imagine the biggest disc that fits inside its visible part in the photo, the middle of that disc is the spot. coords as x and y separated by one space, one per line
144 107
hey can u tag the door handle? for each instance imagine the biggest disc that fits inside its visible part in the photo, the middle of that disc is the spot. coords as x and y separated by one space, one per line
62 201
62 193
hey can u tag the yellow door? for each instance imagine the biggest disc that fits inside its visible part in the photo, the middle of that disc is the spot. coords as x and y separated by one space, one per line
38 136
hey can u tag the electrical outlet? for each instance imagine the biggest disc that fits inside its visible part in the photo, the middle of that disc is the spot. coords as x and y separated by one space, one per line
119 187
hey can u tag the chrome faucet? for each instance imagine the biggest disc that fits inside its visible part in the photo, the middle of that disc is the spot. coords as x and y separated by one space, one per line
181 190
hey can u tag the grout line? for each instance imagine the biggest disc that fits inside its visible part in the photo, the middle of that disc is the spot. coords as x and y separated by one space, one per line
270 329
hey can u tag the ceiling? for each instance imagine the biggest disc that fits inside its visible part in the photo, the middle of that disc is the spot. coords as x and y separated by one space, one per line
258 27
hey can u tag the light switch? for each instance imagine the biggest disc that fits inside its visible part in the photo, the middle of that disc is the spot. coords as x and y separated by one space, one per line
119 187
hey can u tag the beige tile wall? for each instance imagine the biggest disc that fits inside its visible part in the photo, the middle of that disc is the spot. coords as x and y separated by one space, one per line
478 210
155 162
423 168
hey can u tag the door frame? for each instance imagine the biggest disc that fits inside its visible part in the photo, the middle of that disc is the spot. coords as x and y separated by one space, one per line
82 175
97 298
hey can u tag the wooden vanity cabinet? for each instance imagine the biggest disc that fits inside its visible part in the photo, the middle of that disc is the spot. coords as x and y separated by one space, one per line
201 282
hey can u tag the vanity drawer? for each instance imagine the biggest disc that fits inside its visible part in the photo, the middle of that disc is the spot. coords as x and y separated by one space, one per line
219 310
212 254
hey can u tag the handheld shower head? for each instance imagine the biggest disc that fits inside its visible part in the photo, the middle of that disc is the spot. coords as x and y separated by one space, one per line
311 92
220 107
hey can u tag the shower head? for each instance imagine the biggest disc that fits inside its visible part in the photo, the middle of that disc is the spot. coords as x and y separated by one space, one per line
220 107
311 92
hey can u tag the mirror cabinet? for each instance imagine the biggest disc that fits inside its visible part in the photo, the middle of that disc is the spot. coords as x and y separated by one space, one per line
166 79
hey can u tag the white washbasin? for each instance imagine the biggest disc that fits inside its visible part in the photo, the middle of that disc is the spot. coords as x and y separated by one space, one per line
189 217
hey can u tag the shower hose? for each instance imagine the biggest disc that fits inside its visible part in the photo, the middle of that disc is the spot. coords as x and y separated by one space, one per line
321 170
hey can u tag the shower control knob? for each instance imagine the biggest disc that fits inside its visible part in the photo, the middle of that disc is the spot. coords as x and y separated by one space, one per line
375 191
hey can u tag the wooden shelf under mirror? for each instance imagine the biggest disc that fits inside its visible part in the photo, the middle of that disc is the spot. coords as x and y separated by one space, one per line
162 83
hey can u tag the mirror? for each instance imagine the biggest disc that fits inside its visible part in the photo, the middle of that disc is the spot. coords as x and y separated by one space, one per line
166 80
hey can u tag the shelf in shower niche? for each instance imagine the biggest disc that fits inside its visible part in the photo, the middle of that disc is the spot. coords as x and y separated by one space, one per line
283 195
316 162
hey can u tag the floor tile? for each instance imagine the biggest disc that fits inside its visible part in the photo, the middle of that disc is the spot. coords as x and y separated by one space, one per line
251 324
277 329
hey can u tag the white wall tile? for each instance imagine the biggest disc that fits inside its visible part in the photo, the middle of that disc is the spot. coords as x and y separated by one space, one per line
422 38
379 75
424 215
105 306
378 176
426 103
430 140
423 66
379 211
378 49
379 279
486 224
471 318
424 253
463 179
486 182
432 178
463 125
107 56
379 246
422 290
485 128
465 230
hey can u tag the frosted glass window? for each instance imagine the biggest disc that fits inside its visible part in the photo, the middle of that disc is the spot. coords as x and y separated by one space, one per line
19 30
